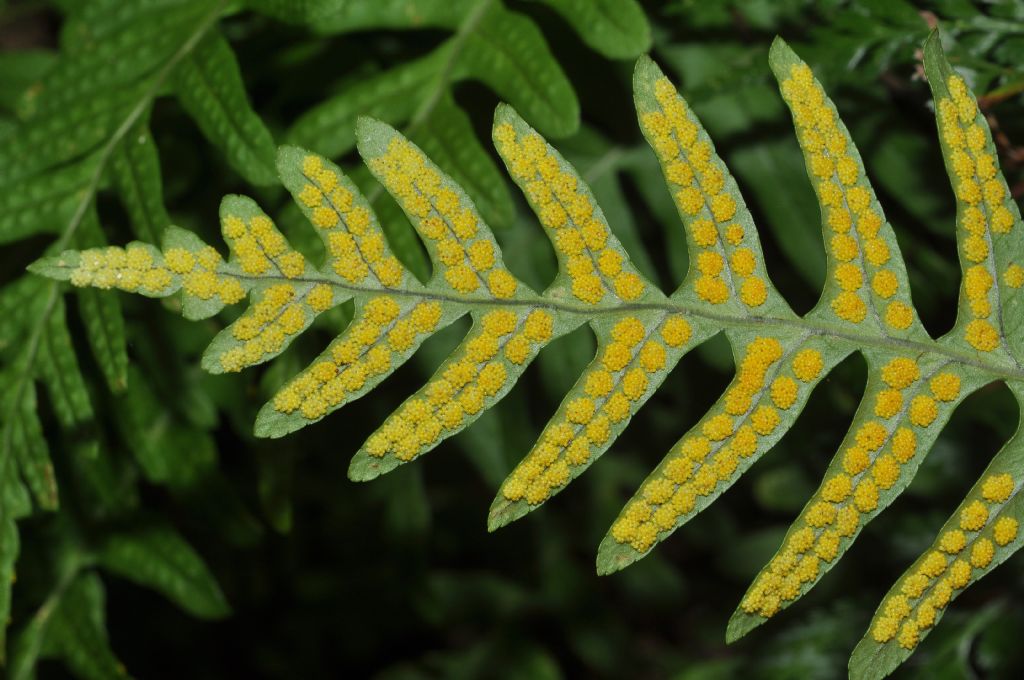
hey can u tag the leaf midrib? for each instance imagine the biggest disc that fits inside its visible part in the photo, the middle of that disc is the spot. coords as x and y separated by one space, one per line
678 306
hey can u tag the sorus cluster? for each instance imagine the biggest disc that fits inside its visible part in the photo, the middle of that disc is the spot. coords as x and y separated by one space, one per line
749 411
612 389
725 260
590 255
871 463
200 276
280 313
860 252
465 248
349 230
466 385
260 247
133 269
983 201
382 331
959 555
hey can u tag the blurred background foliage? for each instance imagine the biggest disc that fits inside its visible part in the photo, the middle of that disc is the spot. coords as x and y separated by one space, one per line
185 547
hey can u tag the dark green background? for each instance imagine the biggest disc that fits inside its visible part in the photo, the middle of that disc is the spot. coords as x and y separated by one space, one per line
398 578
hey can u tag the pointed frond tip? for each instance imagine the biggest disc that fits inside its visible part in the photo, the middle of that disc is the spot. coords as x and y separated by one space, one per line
915 381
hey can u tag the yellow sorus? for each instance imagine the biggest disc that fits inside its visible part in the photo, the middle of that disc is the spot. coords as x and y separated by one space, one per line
492 378
381 310
856 460
974 516
870 437
982 553
202 284
953 541
837 489
717 427
900 373
628 286
609 262
884 629
482 347
634 384
821 514
712 289
389 271
320 297
675 331
959 574
975 248
743 261
652 356
844 247
886 472
501 284
588 288
704 233
538 326
764 420
847 521
229 290
517 350
865 497
982 335
462 278
629 331
884 284
849 277
923 410
869 223
899 315
616 356
499 322
807 364
997 488
934 564
909 635
179 260
1014 276
580 410
784 392
1005 530
481 254
977 282
888 403
945 386
754 292
849 307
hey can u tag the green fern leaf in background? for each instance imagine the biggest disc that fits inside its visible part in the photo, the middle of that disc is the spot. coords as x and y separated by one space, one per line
914 381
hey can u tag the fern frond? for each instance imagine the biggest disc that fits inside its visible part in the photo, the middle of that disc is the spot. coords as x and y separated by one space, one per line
914 381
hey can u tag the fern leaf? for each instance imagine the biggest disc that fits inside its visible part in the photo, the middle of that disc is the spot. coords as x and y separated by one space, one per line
76 631
157 557
616 29
914 382
209 86
9 548
58 369
135 167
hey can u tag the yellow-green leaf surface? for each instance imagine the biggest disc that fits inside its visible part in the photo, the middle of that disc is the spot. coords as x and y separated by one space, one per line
914 381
